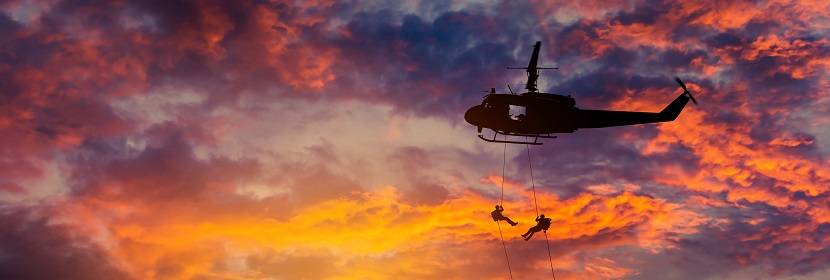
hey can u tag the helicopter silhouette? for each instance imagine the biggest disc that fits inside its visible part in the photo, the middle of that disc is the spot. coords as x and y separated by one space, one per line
540 115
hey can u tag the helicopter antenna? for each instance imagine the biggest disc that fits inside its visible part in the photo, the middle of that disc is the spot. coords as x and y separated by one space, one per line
492 91
511 90
532 70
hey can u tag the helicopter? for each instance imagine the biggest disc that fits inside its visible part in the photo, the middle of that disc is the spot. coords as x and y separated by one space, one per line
536 115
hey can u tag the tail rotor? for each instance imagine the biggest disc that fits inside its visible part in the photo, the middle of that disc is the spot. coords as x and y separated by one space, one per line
685 91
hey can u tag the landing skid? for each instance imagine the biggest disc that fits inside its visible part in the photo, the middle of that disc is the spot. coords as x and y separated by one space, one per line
534 142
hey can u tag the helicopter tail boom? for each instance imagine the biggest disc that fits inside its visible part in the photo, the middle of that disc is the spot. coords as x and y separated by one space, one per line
603 118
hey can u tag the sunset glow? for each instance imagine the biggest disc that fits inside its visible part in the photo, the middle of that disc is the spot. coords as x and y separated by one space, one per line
192 139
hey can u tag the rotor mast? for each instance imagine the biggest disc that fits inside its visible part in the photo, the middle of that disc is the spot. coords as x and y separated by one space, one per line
532 70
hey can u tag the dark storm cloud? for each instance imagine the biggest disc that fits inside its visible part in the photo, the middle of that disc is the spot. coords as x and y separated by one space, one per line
426 67
746 241
726 39
681 59
597 89
34 246
646 14
167 172
215 46
560 168
578 39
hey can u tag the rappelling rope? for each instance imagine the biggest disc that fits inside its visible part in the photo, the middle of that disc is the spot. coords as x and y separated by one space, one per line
501 202
505 250
503 164
549 256
531 180
530 165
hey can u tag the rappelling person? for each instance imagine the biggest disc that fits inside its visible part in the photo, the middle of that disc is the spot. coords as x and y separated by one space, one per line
543 224
497 216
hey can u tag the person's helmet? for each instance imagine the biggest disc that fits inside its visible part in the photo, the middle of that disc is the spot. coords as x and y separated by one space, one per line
542 216
497 207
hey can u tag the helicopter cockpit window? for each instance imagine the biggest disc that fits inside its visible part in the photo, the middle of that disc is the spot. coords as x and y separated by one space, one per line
517 112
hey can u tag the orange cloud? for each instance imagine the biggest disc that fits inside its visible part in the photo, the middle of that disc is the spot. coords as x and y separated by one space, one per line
356 233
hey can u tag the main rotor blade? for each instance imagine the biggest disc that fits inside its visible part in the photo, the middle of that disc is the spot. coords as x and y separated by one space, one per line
532 71
534 58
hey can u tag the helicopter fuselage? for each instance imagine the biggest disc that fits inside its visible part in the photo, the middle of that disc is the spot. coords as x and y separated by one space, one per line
525 114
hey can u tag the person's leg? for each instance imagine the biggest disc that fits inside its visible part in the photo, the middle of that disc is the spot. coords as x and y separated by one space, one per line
533 230
512 223
529 236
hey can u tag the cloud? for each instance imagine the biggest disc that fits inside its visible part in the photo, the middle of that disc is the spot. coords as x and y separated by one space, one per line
378 225
34 246
239 139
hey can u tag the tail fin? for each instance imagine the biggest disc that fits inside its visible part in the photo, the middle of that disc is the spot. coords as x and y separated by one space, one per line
671 112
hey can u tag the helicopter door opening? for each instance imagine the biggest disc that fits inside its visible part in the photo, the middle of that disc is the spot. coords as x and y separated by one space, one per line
517 112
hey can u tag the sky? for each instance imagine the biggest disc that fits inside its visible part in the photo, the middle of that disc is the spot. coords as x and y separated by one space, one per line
205 139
